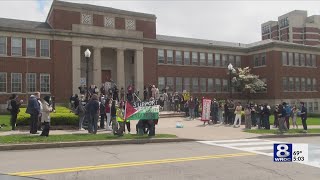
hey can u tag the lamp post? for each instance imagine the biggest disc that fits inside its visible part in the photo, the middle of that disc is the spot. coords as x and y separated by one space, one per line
87 54
230 68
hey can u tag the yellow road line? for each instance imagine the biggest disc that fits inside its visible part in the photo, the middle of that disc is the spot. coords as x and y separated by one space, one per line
128 164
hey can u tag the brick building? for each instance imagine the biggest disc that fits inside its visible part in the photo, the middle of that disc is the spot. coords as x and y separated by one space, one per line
49 57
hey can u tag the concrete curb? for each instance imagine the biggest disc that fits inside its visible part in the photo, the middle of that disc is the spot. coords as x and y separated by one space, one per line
8 147
288 135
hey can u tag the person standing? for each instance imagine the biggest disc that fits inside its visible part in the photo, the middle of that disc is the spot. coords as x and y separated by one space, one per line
45 115
93 113
294 117
113 113
33 109
231 111
303 115
238 115
120 119
276 116
215 109
247 117
108 114
265 116
122 94
288 115
145 93
282 116
102 112
15 109
220 113
81 112
191 105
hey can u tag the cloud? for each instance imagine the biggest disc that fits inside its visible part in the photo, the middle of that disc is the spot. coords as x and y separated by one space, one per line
234 21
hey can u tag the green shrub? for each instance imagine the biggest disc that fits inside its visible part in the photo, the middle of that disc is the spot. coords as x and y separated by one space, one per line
62 116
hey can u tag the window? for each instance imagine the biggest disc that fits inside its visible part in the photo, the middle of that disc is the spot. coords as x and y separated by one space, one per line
161 83
186 84
45 83
284 22
109 22
232 60
285 84
16 83
290 55
217 85
178 55
256 60
31 82
203 85
44 48
308 60
314 84
265 29
3 45
210 59
291 84
195 85
316 106
313 60
86 18
186 58
310 107
238 61
224 85
203 59
160 56
31 47
210 85
297 84
224 60
284 58
302 60
170 84
3 82
195 58
263 59
296 59
169 57
217 60
309 86
179 84
303 84
130 24
16 46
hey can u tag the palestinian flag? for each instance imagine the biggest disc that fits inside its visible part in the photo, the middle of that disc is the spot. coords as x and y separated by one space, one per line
141 113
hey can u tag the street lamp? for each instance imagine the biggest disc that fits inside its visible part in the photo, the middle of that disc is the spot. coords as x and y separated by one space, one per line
87 54
230 68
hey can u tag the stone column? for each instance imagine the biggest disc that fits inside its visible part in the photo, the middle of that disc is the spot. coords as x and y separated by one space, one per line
97 66
120 69
138 72
76 68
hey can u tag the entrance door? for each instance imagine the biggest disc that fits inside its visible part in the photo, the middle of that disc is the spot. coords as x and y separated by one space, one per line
105 76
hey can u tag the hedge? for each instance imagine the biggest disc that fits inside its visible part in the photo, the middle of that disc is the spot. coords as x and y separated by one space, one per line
62 116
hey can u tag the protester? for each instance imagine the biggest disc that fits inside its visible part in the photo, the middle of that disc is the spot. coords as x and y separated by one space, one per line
113 113
45 115
238 115
14 110
226 112
247 117
33 109
145 93
282 116
103 117
120 119
231 107
122 94
115 93
276 116
303 115
265 116
214 111
220 113
191 105
288 115
108 114
93 113
294 117
81 112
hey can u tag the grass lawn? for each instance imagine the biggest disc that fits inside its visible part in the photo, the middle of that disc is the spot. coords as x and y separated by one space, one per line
16 139
310 120
276 131
5 119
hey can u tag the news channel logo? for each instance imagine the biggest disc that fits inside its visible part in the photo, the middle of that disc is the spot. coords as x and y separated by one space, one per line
282 152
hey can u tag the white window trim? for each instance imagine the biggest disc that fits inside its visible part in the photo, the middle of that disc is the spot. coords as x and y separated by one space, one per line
20 82
34 82
35 47
41 75
48 48
12 46
6 48
6 82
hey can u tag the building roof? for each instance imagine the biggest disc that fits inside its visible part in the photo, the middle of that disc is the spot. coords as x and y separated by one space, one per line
90 7
23 24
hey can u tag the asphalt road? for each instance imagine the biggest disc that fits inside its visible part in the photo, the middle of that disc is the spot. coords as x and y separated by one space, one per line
192 160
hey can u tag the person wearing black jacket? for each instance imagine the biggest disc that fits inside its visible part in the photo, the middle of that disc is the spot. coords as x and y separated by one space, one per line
102 112
15 109
265 116
34 110
114 118
93 113
304 116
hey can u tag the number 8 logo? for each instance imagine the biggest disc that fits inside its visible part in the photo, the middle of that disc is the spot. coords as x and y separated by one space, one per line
282 151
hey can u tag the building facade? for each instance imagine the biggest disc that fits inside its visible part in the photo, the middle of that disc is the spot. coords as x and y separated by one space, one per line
295 27
49 57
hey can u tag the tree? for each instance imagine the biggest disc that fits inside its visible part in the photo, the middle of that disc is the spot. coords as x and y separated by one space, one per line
247 83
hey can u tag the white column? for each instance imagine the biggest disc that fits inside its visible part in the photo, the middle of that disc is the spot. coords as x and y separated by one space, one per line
138 72
76 68
97 66
120 69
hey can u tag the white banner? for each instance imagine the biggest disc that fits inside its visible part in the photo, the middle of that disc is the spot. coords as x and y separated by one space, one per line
206 106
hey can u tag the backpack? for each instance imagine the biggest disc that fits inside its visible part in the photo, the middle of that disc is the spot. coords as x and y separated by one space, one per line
9 107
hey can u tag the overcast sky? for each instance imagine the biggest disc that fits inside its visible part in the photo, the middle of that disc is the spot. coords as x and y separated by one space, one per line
232 21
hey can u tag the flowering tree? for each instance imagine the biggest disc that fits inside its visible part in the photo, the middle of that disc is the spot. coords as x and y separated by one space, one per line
247 83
